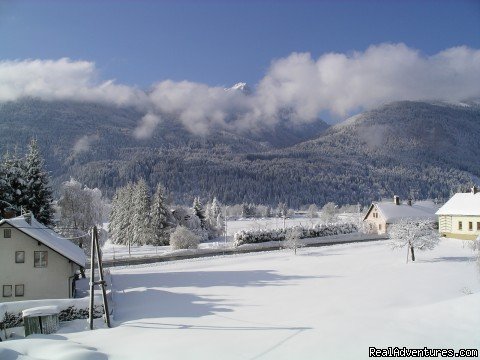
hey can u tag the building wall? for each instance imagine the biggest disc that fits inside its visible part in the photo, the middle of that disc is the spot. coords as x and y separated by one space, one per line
448 225
375 222
50 282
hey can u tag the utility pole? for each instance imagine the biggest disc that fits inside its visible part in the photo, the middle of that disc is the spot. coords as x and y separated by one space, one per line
95 248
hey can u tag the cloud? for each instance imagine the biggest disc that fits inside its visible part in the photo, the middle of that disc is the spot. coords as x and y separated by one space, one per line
63 79
84 143
342 83
297 87
146 127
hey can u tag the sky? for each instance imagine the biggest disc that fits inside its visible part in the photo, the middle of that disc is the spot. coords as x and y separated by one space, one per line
194 48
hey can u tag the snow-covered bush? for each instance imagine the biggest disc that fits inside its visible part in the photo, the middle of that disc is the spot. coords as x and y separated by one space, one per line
259 236
182 238
11 320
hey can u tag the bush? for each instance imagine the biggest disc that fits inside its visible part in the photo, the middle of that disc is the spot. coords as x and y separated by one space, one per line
11 320
259 236
182 238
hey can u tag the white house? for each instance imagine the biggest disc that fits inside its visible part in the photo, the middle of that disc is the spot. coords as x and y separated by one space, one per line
460 216
382 214
35 262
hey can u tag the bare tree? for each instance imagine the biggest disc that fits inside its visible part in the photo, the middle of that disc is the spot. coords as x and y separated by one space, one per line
292 238
414 234
312 211
329 213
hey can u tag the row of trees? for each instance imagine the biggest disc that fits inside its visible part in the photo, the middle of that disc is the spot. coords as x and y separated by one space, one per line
24 185
138 219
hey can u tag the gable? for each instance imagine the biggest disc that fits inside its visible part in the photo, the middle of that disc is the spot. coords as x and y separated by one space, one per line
40 233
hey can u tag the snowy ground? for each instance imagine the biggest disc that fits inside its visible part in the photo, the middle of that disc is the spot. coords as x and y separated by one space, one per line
325 303
112 251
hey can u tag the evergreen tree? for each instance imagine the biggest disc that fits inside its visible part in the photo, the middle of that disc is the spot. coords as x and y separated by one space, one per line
215 210
160 218
141 213
121 222
38 194
199 212
114 223
14 183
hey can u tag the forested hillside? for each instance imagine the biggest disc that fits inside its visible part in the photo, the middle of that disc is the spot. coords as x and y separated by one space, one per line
416 149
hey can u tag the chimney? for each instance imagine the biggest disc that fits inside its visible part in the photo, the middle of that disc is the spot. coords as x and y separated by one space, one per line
474 190
409 202
9 213
28 218
396 200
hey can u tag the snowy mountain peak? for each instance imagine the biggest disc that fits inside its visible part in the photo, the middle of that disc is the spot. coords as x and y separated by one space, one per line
242 87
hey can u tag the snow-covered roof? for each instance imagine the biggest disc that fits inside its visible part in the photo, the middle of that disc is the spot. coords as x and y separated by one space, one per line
49 238
462 204
418 210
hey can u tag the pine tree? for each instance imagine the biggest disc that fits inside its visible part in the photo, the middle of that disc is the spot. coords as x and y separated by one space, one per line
141 213
114 223
198 210
160 218
215 210
13 183
121 223
37 191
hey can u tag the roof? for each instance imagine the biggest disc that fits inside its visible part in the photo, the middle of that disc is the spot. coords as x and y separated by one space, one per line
462 204
49 238
418 210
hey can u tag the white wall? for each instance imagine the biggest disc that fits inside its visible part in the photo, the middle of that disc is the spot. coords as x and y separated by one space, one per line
51 282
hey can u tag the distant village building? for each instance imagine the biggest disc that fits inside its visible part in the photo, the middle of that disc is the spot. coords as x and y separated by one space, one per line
460 216
35 262
381 215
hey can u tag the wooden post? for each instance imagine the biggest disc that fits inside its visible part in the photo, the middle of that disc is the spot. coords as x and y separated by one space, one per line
101 281
92 281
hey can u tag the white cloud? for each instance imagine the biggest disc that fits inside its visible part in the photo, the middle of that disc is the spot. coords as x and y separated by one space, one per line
146 127
342 83
84 143
60 80
297 84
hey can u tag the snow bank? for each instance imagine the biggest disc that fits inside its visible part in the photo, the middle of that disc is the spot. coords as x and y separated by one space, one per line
41 311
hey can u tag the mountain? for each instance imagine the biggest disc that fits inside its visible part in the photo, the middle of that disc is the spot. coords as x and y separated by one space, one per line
95 143
412 149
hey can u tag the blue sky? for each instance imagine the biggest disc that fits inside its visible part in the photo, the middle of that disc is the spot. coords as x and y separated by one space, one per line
220 43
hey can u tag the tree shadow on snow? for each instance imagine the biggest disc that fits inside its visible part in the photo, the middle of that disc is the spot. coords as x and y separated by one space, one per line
141 296
204 279
450 259
154 303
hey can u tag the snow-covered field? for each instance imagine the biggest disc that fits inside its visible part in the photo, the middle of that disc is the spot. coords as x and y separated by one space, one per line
325 303
112 251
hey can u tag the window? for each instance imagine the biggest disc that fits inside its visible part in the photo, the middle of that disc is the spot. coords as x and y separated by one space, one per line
470 225
7 290
40 259
7 233
379 226
478 225
19 257
19 290
459 225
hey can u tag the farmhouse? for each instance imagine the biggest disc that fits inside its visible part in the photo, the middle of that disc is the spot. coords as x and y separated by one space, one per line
382 214
35 262
460 216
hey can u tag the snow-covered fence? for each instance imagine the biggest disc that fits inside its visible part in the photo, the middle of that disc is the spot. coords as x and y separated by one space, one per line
263 235
70 309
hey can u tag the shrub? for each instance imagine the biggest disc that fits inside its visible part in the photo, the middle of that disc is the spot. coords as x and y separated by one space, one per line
182 238
259 236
